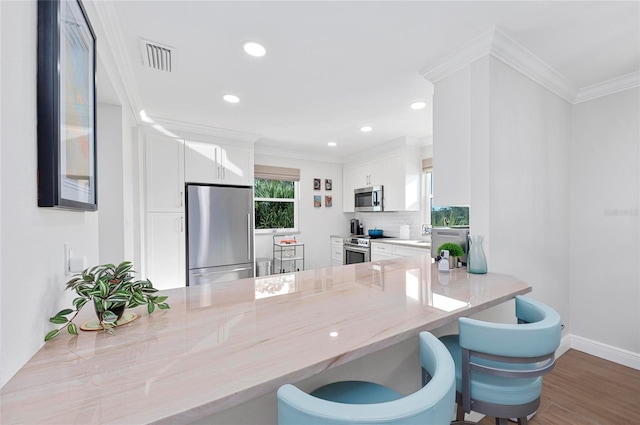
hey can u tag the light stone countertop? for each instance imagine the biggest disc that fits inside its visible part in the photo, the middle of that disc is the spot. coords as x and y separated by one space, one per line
219 346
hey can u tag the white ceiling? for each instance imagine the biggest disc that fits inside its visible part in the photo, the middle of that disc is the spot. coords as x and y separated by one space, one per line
332 67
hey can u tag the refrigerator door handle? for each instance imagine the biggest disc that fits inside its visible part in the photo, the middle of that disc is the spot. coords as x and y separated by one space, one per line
248 236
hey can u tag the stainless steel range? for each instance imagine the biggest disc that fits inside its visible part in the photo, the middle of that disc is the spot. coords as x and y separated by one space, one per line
357 249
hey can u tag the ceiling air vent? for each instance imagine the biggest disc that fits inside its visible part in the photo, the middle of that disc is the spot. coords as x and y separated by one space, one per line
157 56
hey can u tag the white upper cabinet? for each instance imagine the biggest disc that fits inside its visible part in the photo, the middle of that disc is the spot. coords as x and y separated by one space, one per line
402 177
348 185
398 170
213 162
164 174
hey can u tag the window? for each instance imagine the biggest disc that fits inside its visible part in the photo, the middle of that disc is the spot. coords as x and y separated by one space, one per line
276 199
436 215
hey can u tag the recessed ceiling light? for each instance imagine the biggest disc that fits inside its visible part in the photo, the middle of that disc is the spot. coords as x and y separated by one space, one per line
418 105
231 98
332 144
366 129
254 49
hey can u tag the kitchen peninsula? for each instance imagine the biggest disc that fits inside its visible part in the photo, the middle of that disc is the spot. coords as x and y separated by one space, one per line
221 346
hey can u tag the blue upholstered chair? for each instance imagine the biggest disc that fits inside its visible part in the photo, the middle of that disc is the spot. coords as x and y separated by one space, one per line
359 402
499 367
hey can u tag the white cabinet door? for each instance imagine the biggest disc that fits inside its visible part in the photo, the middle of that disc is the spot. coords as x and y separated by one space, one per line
166 263
362 176
394 188
348 185
380 251
208 162
376 172
336 251
236 166
202 163
164 174
403 251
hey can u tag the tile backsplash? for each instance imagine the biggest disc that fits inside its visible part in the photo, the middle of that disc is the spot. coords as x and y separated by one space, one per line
390 222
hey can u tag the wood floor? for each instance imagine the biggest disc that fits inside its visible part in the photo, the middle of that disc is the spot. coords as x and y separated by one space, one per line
586 390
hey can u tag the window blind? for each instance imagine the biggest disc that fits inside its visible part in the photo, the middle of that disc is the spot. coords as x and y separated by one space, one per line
427 165
276 173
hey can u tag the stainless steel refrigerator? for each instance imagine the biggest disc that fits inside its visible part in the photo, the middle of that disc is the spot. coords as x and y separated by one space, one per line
219 233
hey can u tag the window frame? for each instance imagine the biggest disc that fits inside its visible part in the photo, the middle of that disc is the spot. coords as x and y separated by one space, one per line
294 200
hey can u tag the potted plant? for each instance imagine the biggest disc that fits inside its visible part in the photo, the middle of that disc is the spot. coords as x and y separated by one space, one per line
112 289
455 251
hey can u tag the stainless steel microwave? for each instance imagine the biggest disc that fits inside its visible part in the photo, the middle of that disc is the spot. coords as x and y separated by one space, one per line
368 199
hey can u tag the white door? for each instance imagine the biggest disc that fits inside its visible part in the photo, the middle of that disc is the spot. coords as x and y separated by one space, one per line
202 162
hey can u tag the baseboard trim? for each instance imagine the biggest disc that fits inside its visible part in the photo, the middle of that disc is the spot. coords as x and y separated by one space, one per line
565 345
606 352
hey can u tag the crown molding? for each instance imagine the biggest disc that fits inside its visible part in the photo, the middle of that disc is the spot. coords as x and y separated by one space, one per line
512 53
460 57
608 87
268 150
199 129
497 43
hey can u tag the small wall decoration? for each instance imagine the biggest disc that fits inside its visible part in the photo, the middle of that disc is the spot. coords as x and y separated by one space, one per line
327 184
317 185
317 201
66 106
328 201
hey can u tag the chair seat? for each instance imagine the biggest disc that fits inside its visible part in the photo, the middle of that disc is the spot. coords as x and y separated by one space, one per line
356 392
493 389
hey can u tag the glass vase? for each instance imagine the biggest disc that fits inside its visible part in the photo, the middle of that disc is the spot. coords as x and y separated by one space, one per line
476 260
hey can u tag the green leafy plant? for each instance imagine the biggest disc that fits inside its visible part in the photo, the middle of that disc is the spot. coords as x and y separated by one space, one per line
454 249
111 288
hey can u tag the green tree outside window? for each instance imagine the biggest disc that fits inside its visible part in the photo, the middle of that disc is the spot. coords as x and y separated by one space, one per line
274 202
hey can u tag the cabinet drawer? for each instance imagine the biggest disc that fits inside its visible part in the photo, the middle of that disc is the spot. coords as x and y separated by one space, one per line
401 251
382 248
336 253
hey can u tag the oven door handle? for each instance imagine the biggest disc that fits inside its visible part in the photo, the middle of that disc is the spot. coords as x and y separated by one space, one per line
356 248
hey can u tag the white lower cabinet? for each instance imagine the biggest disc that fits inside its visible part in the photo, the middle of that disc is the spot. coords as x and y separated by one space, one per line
165 245
336 251
381 251
405 251
385 251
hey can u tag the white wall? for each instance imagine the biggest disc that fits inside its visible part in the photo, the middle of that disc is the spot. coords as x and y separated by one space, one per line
315 224
605 288
519 137
529 184
31 246
110 179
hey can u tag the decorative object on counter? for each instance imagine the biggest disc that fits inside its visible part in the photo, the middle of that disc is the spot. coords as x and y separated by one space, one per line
375 233
327 184
317 185
454 250
317 201
476 260
112 289
443 264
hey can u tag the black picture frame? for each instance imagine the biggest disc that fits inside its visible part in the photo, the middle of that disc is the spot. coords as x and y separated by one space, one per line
66 95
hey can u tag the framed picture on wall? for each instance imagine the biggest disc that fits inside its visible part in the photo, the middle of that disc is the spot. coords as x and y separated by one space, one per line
327 184
317 201
317 184
328 201
66 99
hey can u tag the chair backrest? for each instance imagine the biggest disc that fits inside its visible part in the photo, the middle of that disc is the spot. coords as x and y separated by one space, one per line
432 404
523 350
